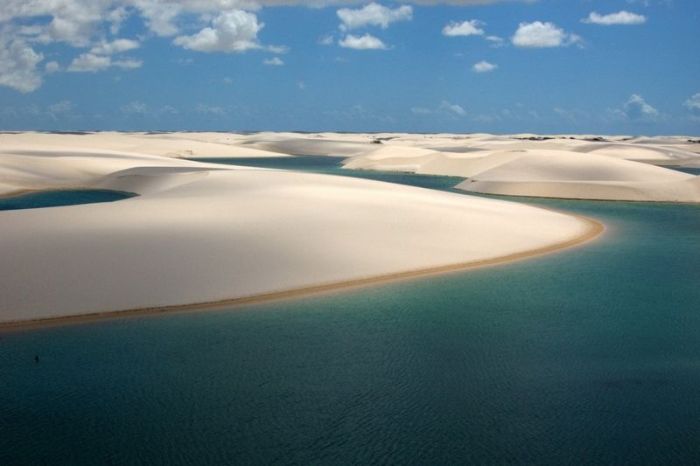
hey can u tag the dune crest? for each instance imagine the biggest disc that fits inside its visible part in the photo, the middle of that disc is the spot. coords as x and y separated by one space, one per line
204 232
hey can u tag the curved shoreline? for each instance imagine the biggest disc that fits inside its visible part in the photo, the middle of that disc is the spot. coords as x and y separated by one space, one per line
595 230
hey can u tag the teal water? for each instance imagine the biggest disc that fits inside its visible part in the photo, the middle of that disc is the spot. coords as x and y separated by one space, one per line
64 197
591 356
691 170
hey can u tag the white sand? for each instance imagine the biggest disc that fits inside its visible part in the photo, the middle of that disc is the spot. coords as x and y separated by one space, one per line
560 168
202 233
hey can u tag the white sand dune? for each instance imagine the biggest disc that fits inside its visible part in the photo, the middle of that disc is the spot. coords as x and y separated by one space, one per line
179 145
561 168
203 233
657 154
318 145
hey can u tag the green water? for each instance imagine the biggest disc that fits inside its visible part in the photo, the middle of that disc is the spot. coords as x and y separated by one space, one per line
62 197
591 356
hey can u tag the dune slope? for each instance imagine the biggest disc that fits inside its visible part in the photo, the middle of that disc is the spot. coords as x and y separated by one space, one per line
203 233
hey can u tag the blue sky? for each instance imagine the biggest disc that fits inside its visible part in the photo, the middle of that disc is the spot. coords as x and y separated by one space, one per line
548 66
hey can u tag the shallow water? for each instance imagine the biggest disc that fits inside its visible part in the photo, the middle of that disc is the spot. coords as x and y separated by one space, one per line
691 170
63 197
588 356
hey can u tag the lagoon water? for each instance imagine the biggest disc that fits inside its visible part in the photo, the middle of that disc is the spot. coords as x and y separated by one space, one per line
61 197
590 356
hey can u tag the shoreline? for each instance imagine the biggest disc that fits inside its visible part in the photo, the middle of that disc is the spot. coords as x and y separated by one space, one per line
594 230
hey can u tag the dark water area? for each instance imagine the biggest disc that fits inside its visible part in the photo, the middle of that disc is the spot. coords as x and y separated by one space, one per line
333 166
57 198
691 170
312 163
588 356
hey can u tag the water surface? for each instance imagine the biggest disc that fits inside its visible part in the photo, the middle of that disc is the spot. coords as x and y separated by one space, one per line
55 198
591 356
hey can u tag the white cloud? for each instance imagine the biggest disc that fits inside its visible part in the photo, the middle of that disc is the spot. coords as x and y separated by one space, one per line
231 32
127 64
636 108
693 104
326 40
116 46
496 41
445 108
18 65
138 108
538 35
365 42
325 3
90 62
453 108
211 110
373 15
160 17
619 18
135 107
277 48
116 17
167 110
52 67
484 67
472 27
58 109
274 61
233 27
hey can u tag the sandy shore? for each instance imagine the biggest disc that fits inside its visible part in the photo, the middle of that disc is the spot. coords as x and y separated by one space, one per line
206 233
595 229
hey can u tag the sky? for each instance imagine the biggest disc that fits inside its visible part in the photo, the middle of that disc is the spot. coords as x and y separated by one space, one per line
500 66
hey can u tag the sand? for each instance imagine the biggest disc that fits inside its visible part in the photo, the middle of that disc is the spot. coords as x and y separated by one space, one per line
556 168
203 233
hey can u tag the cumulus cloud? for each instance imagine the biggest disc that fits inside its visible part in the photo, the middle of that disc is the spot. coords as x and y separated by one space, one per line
472 27
495 41
52 67
452 108
620 18
99 58
373 14
325 3
693 104
86 24
90 62
231 32
484 67
364 42
274 61
636 108
18 65
540 34
116 46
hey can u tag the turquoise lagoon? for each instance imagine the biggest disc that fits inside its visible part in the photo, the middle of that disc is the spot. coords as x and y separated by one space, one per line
61 197
590 356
